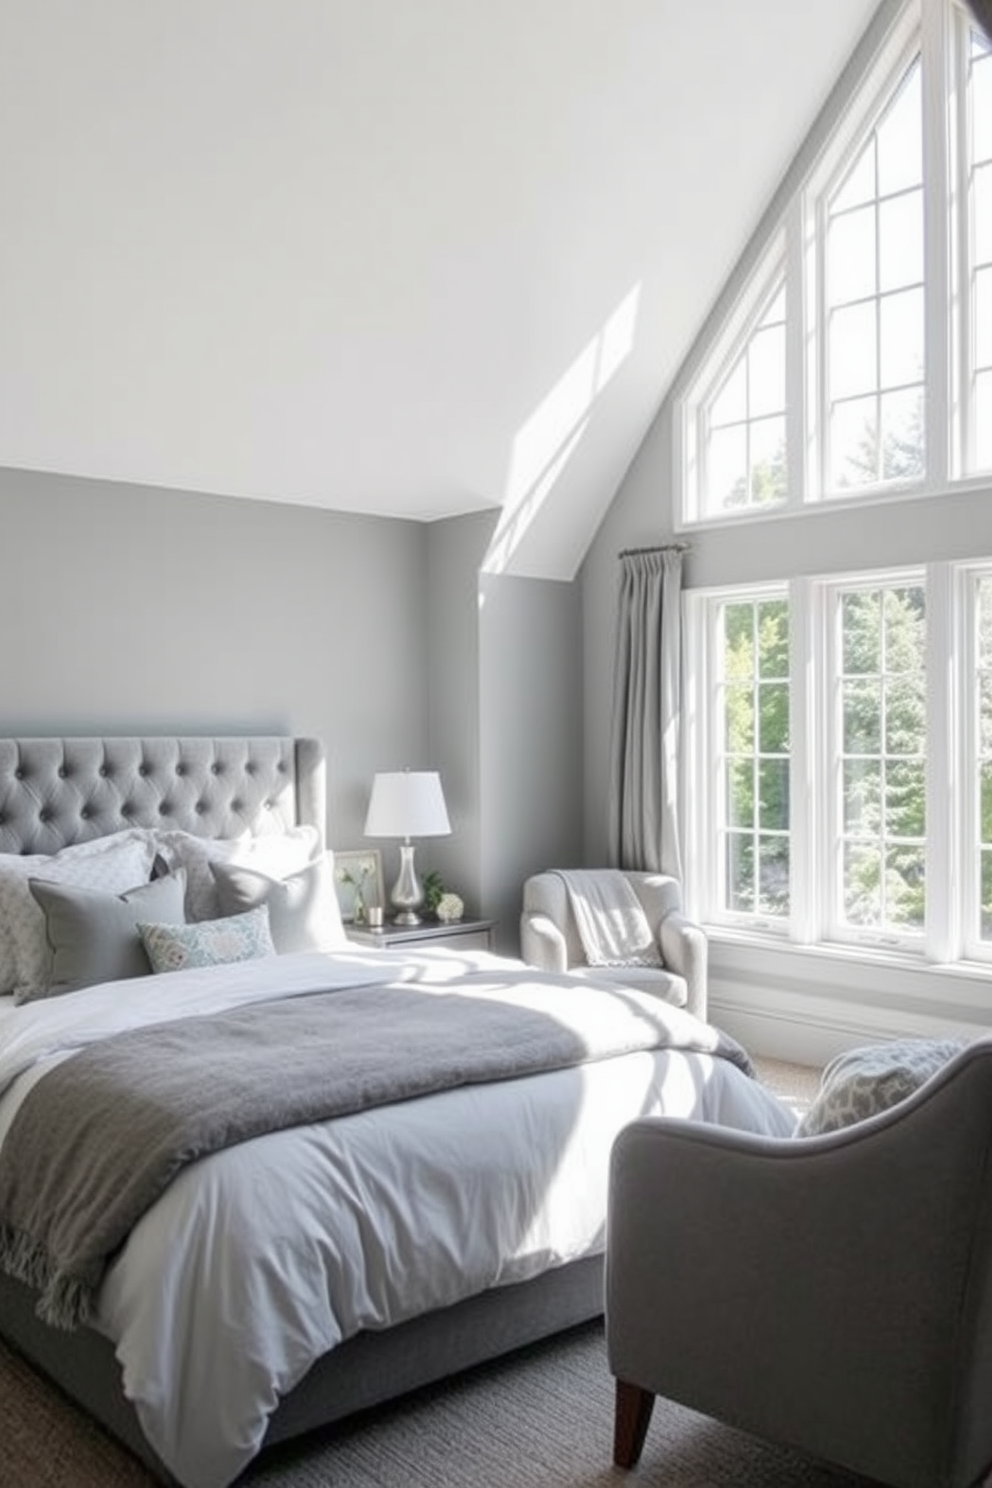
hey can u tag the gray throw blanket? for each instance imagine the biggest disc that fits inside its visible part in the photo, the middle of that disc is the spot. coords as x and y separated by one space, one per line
101 1135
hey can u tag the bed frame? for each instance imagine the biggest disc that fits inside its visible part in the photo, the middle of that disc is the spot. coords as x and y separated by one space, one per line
55 792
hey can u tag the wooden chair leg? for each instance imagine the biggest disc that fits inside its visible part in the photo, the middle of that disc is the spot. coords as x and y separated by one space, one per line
630 1422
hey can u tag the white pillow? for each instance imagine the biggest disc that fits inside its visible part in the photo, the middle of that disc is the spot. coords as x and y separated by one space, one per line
276 854
304 914
116 863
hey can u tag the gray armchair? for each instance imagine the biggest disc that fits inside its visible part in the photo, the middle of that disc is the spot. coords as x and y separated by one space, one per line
832 1293
549 939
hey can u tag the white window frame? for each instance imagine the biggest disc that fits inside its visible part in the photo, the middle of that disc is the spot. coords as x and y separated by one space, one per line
758 294
965 747
795 241
705 794
835 928
953 889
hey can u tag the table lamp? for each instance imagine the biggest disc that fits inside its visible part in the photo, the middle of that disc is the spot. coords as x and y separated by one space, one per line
407 803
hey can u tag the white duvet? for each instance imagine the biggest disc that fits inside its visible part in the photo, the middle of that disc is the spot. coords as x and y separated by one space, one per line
261 1258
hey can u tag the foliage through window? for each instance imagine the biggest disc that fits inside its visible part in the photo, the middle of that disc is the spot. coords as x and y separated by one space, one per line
755 708
745 421
881 723
821 705
874 303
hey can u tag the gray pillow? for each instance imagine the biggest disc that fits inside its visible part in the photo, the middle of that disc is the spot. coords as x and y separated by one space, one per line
304 914
862 1082
92 936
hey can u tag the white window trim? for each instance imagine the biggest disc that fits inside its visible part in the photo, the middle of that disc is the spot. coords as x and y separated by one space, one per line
726 347
792 237
814 923
825 659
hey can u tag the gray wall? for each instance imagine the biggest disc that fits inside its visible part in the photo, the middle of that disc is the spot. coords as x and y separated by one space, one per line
531 746
450 669
127 609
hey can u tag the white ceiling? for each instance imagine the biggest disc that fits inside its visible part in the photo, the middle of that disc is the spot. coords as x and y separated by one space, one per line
409 257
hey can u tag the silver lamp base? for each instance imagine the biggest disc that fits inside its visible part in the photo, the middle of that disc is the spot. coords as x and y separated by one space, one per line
407 893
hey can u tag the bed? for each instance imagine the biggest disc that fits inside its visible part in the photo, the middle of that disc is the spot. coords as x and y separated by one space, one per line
283 1280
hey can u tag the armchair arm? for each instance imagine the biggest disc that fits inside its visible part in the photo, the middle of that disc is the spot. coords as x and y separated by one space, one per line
542 944
684 950
830 1292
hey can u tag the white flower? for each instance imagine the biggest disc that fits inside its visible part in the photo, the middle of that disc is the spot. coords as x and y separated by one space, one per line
449 907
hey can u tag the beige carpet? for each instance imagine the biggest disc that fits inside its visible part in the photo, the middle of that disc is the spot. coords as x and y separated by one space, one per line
542 1419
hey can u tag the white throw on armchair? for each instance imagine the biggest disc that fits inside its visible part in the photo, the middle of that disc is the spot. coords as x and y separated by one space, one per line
550 939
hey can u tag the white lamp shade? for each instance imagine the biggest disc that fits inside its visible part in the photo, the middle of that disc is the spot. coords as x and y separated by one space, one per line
407 803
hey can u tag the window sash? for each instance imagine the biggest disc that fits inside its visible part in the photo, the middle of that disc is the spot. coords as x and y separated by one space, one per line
956 390
951 930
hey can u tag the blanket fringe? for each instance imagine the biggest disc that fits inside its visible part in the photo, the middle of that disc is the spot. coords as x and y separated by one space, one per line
64 1301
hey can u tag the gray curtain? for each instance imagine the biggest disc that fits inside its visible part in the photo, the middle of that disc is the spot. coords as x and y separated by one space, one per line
982 11
643 816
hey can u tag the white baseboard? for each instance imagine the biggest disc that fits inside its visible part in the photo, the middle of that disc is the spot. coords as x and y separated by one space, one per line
806 1005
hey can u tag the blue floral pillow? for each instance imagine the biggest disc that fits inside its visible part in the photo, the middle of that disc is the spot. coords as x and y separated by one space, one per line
243 937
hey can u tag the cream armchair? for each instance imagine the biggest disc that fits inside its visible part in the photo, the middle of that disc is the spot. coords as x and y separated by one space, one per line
549 939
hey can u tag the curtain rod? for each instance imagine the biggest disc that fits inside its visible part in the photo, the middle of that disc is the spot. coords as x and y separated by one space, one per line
675 547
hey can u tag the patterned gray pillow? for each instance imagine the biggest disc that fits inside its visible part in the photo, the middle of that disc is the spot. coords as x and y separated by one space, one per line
115 864
863 1082
243 937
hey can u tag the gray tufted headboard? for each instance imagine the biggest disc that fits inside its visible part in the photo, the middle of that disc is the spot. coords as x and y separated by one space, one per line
54 792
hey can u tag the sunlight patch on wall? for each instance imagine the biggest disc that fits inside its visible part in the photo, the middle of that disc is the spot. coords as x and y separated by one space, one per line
545 443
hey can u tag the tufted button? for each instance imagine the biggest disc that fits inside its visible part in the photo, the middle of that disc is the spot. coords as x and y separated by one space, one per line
18 773
250 768
215 768
104 771
200 808
142 769
180 770
237 805
44 815
63 773
85 813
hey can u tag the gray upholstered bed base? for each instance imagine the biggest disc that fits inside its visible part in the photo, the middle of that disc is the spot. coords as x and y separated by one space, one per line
364 1372
54 792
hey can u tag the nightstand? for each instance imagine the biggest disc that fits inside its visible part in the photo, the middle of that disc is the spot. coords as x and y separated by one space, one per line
459 935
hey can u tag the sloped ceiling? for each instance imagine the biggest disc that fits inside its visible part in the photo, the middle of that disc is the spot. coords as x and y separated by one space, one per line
409 257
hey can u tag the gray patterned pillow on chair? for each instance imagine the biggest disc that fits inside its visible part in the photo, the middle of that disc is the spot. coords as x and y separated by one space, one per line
862 1082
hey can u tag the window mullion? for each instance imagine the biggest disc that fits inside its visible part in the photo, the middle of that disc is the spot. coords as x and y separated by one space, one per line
936 52
799 475
943 880
961 417
804 668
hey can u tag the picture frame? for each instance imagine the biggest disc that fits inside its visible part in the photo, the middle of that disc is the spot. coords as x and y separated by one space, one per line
364 869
